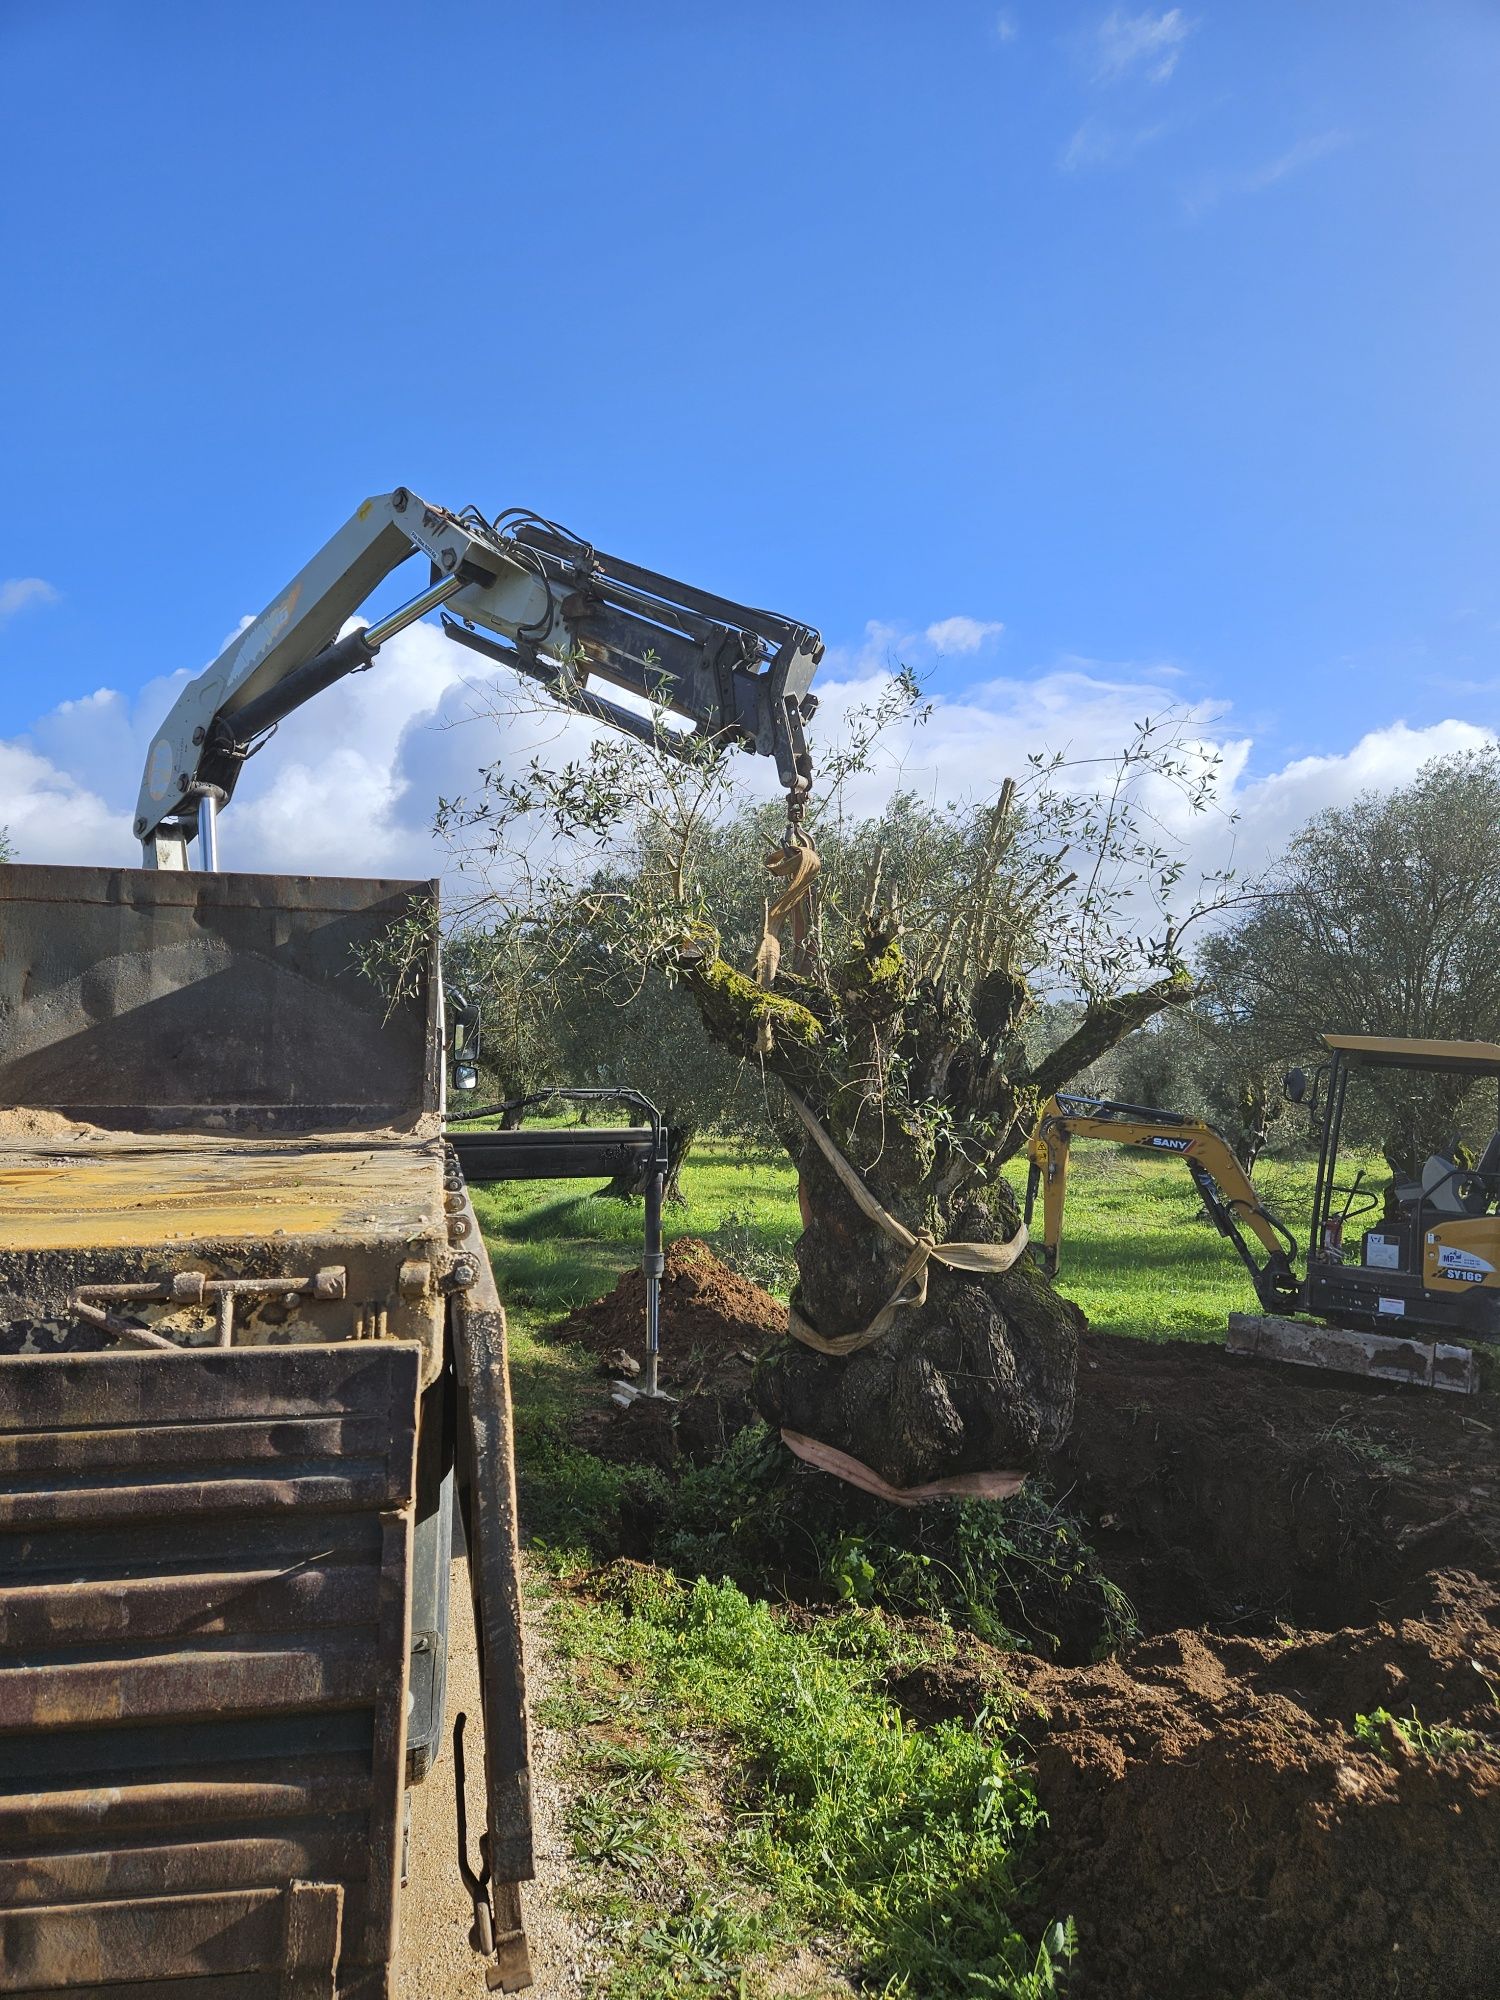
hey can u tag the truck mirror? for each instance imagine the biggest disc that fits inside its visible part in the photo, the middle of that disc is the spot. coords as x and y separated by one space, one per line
465 1076
1294 1086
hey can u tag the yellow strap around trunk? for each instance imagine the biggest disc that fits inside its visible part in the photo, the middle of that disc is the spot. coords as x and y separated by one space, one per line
911 1286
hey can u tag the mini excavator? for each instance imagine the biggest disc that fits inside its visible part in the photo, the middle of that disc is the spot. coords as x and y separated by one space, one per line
1395 1298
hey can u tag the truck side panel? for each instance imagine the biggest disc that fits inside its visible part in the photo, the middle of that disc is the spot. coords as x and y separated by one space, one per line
204 1564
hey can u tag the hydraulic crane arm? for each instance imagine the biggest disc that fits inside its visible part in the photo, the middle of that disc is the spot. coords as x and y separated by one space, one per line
1227 1191
563 614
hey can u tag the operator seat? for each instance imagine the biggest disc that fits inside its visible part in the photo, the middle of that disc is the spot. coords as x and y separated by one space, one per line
1448 1189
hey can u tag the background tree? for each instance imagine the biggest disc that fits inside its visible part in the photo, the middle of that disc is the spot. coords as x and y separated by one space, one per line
898 1033
496 965
7 852
1381 918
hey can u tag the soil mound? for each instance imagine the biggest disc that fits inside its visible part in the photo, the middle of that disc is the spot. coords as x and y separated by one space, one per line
714 1324
1222 1832
709 1313
22 1122
1302 1551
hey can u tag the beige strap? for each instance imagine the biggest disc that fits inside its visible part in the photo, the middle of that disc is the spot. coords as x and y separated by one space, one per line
911 1286
854 1471
796 865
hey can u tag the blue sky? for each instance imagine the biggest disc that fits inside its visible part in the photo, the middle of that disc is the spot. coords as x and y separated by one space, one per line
1161 338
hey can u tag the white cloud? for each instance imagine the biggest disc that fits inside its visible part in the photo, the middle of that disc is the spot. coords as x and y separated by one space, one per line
962 635
16 592
1089 709
349 784
50 816
1145 45
1007 27
1293 160
1256 180
1272 808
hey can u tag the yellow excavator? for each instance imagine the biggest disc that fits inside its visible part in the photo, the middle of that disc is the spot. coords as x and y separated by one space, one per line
1226 1188
1394 1298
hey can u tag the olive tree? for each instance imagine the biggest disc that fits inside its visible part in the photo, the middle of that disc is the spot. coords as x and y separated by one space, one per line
892 1042
1381 918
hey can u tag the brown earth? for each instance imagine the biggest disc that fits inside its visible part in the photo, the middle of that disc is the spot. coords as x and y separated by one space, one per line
1301 1550
1220 1831
714 1324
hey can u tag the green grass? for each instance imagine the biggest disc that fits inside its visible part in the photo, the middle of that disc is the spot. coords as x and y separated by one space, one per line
745 1789
830 1813
1388 1735
1138 1254
556 1245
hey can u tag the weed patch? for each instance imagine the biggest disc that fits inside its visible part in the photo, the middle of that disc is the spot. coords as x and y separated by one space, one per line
1387 1734
839 1815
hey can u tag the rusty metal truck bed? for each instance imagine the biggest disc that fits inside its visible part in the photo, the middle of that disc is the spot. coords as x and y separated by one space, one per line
249 1362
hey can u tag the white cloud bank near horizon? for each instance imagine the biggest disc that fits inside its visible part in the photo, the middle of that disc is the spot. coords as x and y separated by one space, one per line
349 785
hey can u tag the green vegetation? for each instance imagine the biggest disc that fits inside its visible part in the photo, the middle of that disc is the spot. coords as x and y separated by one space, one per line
1388 1735
1138 1255
753 1809
1018 1575
555 1247
841 1817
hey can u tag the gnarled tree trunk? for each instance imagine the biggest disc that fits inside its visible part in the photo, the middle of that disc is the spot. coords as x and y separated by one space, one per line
923 1089
630 1186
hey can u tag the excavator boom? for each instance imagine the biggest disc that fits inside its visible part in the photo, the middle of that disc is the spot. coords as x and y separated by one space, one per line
1227 1191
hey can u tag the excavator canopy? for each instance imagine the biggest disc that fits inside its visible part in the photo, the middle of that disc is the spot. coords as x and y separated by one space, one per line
1404 1052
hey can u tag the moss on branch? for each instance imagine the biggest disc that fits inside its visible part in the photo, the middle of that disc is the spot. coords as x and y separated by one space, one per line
733 1008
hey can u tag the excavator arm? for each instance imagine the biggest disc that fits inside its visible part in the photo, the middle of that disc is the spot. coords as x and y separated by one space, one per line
1227 1191
560 613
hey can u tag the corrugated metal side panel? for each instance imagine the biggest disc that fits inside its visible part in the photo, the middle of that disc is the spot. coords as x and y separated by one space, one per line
204 1565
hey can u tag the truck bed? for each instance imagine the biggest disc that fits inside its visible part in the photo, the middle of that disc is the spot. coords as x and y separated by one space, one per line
112 1209
134 1190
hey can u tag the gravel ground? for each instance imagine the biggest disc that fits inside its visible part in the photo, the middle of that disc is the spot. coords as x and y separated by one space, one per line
436 1962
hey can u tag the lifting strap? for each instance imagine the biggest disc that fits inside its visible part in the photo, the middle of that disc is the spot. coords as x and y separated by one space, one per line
920 1248
854 1472
795 864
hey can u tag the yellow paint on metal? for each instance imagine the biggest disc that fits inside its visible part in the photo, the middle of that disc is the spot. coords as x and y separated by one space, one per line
1405 1048
134 1191
1461 1253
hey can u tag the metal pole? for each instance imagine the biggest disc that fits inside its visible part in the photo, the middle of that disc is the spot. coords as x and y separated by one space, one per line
387 628
653 1263
208 827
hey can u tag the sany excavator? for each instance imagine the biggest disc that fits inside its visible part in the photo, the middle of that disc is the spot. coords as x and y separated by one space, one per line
252 1355
1396 1296
1225 1187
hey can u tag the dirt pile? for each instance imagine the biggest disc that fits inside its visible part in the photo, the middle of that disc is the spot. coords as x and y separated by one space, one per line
19 1122
1222 1831
1302 1551
714 1324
